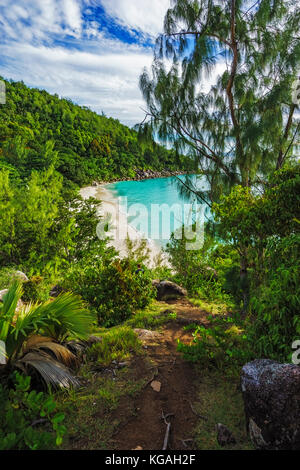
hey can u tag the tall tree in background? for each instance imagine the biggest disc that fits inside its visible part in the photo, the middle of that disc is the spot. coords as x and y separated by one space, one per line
244 126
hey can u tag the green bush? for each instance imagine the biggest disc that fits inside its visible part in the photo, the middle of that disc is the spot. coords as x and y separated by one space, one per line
274 320
123 291
21 414
35 290
111 287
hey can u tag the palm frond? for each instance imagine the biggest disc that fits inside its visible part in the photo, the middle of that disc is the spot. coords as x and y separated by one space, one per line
66 316
35 340
61 353
10 301
53 372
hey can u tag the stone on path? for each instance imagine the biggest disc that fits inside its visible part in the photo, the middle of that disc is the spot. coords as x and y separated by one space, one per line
156 385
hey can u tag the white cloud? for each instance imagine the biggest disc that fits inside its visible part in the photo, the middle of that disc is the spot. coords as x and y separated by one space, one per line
43 18
103 81
72 13
98 71
143 15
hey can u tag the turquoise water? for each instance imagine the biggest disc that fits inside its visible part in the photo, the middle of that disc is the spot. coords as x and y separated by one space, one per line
143 200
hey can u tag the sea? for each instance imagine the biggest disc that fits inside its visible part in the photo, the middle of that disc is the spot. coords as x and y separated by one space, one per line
157 207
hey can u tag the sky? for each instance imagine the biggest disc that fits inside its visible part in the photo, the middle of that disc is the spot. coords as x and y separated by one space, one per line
91 51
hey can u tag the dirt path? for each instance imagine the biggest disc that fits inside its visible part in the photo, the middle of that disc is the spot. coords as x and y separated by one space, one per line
146 429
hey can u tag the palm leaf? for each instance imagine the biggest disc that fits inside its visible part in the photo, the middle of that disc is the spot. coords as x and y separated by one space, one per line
53 372
30 320
35 340
61 353
66 316
10 300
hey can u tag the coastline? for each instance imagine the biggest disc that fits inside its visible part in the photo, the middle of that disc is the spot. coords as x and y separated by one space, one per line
143 175
110 208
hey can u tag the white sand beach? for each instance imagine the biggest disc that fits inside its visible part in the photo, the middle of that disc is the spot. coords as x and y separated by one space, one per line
110 209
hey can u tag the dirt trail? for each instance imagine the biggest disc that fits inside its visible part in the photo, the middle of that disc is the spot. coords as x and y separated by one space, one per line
146 429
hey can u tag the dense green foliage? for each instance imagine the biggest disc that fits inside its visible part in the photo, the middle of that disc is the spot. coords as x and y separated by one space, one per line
38 130
242 137
205 272
111 286
21 414
264 231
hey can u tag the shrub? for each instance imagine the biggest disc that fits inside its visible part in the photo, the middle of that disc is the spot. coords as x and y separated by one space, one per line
35 290
123 291
31 334
112 288
275 322
21 413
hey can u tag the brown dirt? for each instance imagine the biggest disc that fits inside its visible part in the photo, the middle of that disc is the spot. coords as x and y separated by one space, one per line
145 428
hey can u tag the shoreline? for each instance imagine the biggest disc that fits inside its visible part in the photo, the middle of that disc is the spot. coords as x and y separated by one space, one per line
142 175
109 208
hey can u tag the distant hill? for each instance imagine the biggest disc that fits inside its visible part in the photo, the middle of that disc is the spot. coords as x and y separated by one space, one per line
38 129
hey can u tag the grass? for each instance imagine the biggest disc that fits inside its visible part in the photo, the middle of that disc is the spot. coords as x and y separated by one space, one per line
92 413
220 401
118 344
152 317
216 307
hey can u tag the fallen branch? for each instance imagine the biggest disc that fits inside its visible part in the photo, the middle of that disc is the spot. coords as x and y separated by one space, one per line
185 441
168 424
195 412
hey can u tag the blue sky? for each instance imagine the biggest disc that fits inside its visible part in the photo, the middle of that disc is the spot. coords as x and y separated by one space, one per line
92 51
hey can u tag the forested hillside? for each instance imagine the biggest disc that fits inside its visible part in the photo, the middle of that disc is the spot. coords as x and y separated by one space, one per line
38 130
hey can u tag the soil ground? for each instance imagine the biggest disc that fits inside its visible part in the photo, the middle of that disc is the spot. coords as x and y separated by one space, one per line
175 399
191 400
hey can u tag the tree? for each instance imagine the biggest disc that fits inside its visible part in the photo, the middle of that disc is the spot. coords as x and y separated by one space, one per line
244 127
250 221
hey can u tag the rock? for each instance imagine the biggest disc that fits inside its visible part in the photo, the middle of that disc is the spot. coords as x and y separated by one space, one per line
147 336
224 435
20 275
271 393
156 385
94 339
167 290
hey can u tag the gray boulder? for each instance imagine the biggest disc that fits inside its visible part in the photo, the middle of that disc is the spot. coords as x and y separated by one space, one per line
224 435
271 393
167 290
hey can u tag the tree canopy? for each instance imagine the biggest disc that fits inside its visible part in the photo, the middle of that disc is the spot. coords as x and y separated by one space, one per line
39 130
243 126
